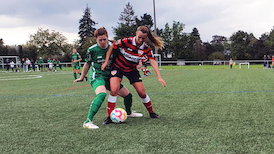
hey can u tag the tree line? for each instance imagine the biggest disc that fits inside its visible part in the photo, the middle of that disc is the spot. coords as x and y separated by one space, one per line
178 43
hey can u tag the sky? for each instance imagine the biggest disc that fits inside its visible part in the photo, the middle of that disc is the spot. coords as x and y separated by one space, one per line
21 18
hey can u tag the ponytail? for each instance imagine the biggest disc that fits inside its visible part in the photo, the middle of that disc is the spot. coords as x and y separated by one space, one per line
155 40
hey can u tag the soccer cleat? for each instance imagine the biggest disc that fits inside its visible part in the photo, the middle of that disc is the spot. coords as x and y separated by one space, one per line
86 78
90 125
150 73
154 115
107 121
135 115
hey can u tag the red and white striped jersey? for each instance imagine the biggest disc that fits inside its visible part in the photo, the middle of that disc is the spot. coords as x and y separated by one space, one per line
129 55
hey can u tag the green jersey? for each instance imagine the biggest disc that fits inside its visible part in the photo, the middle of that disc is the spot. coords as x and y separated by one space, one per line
75 57
41 61
95 56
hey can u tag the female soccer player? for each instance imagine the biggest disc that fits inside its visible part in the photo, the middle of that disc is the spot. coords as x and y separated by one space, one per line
99 79
131 51
76 63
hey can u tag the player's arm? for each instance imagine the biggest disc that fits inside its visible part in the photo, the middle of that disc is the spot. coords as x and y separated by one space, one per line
139 65
84 72
154 65
108 54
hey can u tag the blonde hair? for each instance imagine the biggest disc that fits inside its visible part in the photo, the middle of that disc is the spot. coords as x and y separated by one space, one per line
155 40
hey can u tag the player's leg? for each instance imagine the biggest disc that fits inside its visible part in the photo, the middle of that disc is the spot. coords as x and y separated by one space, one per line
124 92
139 86
74 71
100 91
112 98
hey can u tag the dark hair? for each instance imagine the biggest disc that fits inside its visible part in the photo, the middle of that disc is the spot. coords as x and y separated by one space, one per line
101 31
155 40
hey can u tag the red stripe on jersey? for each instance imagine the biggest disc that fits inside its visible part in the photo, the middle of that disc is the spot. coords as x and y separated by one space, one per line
127 65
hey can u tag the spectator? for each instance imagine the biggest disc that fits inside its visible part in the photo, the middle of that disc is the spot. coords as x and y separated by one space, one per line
18 65
40 64
230 63
265 60
12 65
269 59
33 65
24 64
8 64
59 64
27 64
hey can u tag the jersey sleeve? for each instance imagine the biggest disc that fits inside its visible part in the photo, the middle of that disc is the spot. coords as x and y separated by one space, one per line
88 58
122 43
149 53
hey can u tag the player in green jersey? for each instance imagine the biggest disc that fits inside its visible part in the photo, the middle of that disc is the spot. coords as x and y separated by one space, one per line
76 63
99 79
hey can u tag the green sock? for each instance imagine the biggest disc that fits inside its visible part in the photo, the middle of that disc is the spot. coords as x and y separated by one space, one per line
128 103
95 105
75 75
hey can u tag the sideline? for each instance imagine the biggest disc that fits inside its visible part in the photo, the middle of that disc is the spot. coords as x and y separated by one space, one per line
174 93
21 77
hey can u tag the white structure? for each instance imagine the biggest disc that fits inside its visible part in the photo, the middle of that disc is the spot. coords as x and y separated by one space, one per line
2 59
246 63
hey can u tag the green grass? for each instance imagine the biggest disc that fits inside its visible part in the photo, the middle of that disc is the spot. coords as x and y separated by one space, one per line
203 111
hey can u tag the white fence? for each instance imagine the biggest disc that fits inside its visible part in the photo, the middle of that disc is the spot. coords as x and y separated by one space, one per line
66 65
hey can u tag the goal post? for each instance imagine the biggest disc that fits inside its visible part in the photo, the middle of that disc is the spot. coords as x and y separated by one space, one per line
158 60
3 58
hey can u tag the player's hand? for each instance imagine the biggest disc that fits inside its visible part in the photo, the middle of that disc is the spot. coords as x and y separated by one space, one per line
162 81
78 80
104 65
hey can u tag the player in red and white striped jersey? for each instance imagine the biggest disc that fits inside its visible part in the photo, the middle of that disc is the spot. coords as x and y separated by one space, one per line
129 51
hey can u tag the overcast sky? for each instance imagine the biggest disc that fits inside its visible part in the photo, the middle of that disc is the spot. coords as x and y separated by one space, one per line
20 18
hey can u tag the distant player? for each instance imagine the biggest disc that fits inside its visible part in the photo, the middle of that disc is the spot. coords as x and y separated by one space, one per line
144 67
50 64
76 63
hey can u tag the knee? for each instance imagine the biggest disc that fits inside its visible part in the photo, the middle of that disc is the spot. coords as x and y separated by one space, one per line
142 95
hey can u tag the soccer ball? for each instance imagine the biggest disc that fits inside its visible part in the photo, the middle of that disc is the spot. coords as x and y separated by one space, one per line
118 115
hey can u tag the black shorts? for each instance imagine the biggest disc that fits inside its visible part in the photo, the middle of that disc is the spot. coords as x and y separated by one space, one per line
132 76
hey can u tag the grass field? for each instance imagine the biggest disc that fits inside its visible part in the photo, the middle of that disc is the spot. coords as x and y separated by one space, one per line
203 111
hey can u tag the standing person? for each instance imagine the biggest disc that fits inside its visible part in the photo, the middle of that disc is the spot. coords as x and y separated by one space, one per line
269 59
24 64
40 64
76 63
12 65
18 65
59 64
54 61
230 63
144 67
28 65
273 62
99 79
7 64
131 51
50 64
33 65
265 59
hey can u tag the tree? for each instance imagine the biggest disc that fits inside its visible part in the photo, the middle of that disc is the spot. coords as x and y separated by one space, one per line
216 55
145 20
48 43
174 40
199 50
86 27
241 43
195 33
127 27
128 16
